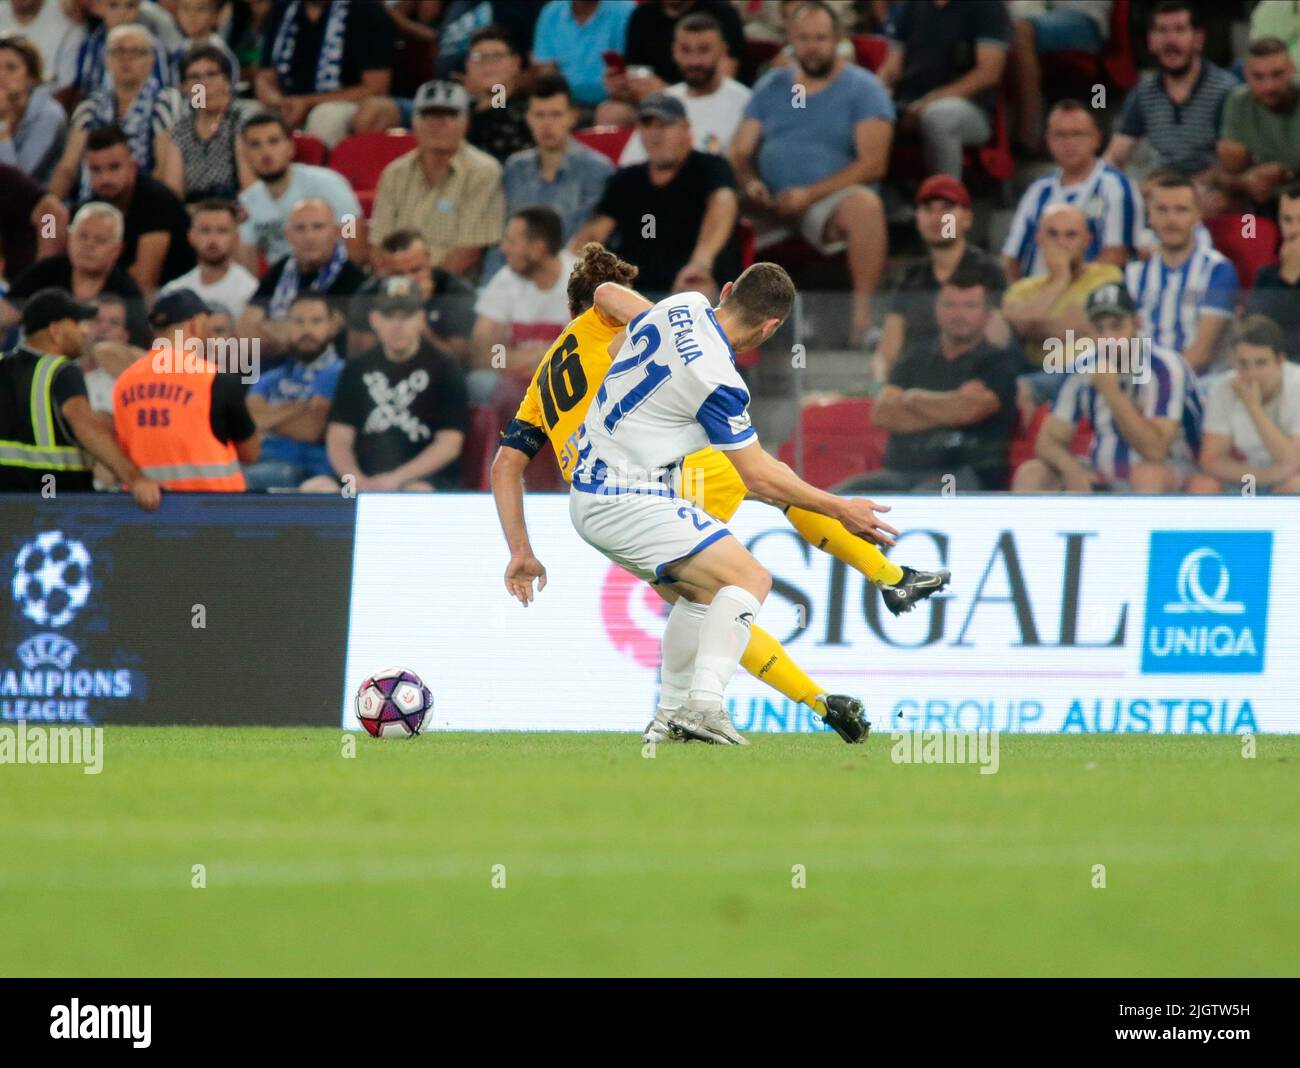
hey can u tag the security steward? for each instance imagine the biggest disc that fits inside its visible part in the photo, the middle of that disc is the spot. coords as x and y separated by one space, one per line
49 435
178 415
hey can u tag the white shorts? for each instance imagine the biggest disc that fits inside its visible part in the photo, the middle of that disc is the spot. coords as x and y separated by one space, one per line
643 532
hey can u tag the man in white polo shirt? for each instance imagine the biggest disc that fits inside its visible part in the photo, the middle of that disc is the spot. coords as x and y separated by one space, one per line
521 310
714 103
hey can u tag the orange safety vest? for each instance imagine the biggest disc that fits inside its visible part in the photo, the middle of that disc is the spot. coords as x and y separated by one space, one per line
163 423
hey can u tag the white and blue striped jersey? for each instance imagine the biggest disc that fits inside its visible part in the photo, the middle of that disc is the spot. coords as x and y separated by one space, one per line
1170 300
1108 199
672 390
1170 391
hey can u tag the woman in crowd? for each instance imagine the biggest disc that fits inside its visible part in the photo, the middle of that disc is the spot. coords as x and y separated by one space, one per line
33 128
207 132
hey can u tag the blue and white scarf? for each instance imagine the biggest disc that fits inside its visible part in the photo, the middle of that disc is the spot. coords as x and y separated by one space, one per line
137 124
92 71
290 281
329 64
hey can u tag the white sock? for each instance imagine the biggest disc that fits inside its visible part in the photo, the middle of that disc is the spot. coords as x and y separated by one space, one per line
723 637
680 641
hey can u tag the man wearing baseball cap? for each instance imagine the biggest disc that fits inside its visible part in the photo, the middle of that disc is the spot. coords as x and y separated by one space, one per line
400 411
178 416
47 426
445 188
1142 401
943 219
691 195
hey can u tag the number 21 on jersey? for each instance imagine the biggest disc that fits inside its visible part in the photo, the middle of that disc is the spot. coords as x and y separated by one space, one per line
637 376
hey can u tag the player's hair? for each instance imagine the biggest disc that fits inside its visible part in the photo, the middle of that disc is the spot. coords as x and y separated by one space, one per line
266 118
98 209
818 5
206 51
106 137
700 22
1259 330
1174 7
763 291
542 223
401 240
28 52
597 265
215 204
1291 191
1267 46
549 85
1068 106
493 32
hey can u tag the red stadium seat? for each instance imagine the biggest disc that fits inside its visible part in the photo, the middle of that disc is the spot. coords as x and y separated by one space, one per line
748 240
480 446
1026 437
413 64
839 441
906 160
308 149
1077 72
361 158
870 50
609 141
1247 253
762 52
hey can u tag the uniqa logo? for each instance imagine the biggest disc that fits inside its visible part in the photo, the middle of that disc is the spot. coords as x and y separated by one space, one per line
1191 594
1202 615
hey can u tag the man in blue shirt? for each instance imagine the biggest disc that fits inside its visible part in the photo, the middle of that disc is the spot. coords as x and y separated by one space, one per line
572 37
557 172
814 138
290 402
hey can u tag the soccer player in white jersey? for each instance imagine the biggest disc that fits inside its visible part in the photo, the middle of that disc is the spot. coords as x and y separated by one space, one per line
673 389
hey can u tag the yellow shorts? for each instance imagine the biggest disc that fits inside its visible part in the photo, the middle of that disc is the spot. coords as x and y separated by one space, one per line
710 482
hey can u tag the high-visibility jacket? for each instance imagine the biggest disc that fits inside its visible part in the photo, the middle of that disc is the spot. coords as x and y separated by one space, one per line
163 421
34 439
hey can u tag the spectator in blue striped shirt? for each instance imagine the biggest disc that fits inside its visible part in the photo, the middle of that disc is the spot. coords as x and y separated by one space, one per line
1144 405
1185 293
1179 106
1107 197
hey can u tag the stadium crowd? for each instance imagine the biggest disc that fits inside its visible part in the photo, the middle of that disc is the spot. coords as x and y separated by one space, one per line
381 202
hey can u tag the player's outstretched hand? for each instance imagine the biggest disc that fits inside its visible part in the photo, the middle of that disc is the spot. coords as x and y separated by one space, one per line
520 573
860 517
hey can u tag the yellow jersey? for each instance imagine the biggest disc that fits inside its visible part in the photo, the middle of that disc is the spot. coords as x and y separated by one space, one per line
555 407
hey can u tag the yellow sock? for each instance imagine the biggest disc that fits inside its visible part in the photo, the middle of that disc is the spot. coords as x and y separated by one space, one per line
832 536
766 659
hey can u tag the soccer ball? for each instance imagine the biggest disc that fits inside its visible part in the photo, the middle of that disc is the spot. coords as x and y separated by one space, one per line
52 579
393 703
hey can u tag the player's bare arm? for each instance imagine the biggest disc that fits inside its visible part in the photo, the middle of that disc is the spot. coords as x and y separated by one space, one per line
508 493
772 480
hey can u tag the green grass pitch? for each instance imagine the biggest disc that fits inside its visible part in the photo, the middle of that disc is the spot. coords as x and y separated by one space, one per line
615 864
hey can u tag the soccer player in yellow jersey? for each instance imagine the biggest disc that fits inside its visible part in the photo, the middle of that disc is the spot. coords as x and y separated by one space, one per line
554 409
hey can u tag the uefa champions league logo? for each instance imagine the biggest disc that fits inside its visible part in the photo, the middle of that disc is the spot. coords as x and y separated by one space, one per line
52 579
